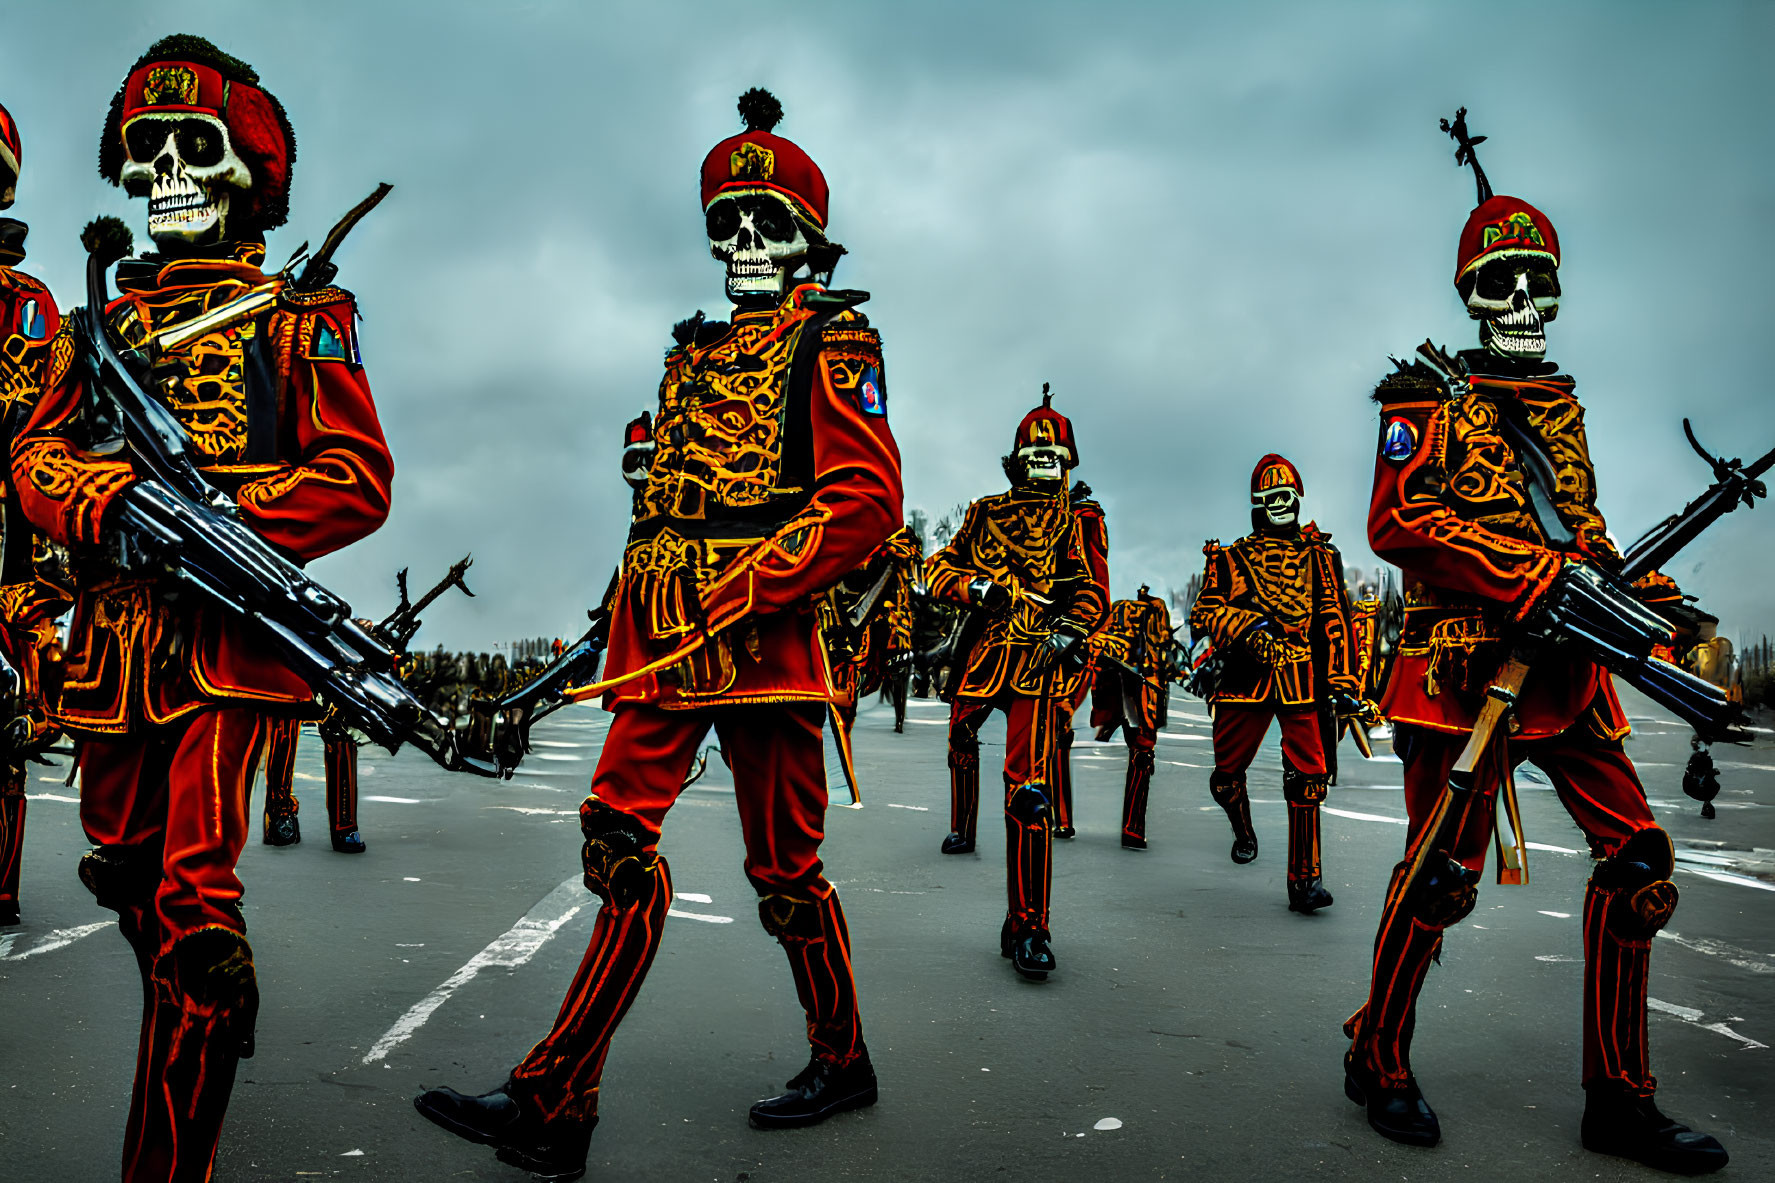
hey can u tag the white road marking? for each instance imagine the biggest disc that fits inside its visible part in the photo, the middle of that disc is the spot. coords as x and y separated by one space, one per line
695 897
1108 1123
52 797
61 938
403 800
558 743
1183 738
1727 877
1555 915
559 757
706 919
1756 963
517 945
1362 817
914 808
533 809
1693 1017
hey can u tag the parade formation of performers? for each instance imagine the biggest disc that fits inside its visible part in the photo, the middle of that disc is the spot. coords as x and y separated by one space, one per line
766 585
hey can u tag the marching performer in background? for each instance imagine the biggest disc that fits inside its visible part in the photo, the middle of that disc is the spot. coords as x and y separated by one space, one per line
30 646
1132 691
1020 565
1273 606
281 804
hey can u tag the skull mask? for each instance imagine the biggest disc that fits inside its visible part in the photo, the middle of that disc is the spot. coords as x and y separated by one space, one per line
1513 298
1044 462
187 168
761 242
1280 506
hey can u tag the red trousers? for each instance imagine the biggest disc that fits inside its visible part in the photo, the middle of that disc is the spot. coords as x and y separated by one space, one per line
1596 783
1032 731
180 793
167 808
779 775
1141 741
12 840
280 775
1239 729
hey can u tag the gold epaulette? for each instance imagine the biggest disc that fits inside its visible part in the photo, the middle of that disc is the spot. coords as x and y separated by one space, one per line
319 298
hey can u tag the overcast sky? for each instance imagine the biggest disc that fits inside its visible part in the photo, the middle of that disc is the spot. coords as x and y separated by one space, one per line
1207 225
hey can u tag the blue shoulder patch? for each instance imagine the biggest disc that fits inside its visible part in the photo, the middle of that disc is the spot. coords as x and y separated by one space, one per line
872 392
1399 440
32 325
327 343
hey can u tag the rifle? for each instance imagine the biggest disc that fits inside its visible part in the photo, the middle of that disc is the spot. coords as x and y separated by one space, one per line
174 523
543 695
1608 625
318 273
403 622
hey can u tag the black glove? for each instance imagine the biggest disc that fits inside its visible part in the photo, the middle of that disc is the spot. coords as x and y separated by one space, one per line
989 595
1600 615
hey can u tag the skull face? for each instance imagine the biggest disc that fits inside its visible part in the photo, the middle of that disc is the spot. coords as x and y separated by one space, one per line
1281 505
1513 299
186 167
1044 462
761 242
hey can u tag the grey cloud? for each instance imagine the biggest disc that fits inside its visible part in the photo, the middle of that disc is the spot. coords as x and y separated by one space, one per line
1208 226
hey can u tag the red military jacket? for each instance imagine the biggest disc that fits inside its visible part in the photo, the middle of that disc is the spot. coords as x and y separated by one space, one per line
1142 638
1295 583
1028 541
32 355
278 411
773 475
1451 510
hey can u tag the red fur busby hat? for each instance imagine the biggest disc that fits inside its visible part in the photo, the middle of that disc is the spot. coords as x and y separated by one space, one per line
758 160
1045 425
10 151
183 74
1275 472
1499 227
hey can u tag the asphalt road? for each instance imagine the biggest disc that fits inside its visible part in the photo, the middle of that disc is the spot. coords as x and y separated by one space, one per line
1192 1030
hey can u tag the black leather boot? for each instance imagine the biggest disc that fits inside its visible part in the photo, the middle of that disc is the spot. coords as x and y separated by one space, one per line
350 842
1401 1113
552 1152
820 1090
1029 952
1133 842
1619 1122
1307 895
957 844
282 829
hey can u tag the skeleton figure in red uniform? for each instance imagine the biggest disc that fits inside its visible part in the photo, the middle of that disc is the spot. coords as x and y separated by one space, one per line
29 606
1132 691
773 474
1452 507
1019 563
169 699
1274 607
